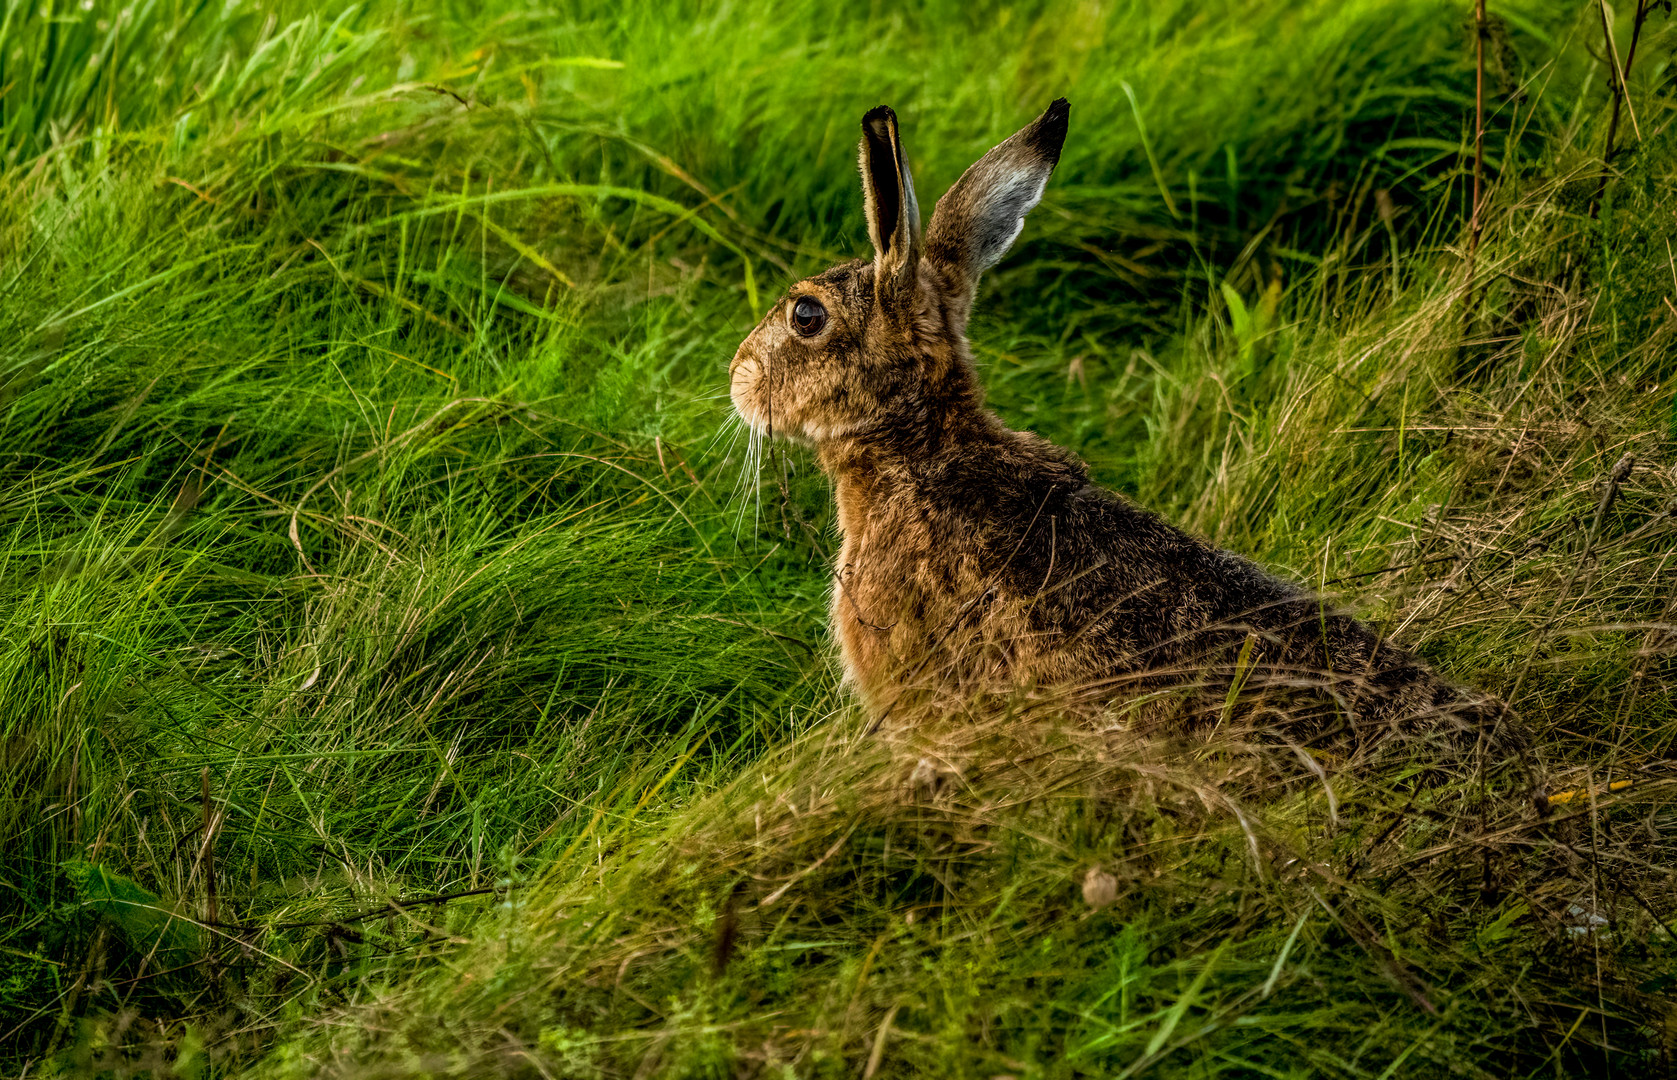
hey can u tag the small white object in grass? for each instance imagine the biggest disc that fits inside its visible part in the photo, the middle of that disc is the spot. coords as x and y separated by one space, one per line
929 777
1582 920
1099 887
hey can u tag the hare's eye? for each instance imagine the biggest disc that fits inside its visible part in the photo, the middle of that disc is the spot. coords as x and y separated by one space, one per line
808 316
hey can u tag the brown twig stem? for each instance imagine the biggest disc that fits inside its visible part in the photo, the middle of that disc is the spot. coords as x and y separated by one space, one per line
1615 479
1616 82
213 906
1475 226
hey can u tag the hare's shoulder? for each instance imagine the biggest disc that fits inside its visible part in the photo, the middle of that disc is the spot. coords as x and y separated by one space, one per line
1043 527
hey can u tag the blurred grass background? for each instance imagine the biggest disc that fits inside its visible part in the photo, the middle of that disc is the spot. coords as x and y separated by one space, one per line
371 531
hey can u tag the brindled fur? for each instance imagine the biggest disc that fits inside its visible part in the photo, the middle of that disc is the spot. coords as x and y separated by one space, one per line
980 558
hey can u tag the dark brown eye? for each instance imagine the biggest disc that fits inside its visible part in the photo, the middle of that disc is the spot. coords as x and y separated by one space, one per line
808 316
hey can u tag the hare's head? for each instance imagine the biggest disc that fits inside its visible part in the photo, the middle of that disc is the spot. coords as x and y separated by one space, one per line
876 349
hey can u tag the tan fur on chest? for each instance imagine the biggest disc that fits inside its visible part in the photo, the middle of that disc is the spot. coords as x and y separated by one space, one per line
907 591
869 586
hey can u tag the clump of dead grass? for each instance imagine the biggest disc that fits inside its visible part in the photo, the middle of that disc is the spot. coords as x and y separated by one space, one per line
817 911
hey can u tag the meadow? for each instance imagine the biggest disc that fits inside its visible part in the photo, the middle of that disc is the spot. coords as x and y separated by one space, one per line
407 668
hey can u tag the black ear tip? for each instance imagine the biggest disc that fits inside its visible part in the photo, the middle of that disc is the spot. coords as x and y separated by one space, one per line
879 120
1048 134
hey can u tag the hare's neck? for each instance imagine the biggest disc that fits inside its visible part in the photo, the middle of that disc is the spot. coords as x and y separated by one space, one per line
878 480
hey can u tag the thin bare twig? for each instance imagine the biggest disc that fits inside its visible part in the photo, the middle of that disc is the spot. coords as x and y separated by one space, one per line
212 904
1475 226
1621 471
1616 82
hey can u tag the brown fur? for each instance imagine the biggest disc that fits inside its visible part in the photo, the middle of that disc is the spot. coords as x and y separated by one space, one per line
977 558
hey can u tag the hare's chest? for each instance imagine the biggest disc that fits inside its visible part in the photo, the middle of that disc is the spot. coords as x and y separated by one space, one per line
896 590
865 611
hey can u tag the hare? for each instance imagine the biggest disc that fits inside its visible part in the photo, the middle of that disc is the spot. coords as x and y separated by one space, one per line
976 558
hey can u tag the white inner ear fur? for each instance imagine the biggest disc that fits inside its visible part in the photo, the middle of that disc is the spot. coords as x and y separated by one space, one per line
1012 196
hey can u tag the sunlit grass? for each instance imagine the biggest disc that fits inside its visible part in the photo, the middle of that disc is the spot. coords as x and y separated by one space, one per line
372 530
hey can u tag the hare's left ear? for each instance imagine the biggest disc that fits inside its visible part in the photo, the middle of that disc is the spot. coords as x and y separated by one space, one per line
893 214
978 219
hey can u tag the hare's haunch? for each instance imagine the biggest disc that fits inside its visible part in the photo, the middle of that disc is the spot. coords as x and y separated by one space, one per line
977 558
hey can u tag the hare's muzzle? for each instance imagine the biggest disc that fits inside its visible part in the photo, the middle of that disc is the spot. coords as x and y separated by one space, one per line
744 375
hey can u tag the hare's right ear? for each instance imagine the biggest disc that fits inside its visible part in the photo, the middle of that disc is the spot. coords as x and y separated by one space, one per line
978 219
893 214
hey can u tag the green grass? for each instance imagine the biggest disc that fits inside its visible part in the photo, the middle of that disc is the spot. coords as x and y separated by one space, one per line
372 531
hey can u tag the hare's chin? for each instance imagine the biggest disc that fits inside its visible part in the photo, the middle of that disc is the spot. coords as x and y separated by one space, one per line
820 433
806 434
